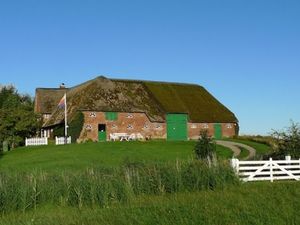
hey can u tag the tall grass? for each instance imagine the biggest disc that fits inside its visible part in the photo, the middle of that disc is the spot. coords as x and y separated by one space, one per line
103 186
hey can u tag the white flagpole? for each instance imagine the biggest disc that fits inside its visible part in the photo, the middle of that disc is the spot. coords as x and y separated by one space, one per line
66 117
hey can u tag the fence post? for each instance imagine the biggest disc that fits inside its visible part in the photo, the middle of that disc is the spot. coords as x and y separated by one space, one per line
271 170
26 142
235 165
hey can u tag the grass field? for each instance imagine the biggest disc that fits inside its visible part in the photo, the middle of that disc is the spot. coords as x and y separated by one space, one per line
260 148
255 203
105 154
143 183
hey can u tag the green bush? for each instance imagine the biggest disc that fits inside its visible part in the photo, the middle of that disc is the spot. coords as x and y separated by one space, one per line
205 147
74 130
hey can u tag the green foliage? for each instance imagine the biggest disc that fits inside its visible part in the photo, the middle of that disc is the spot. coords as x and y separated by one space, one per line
17 117
287 142
74 130
205 147
59 131
75 126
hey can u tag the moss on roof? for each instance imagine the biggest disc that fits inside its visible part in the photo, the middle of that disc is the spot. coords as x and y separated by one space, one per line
153 98
46 99
194 100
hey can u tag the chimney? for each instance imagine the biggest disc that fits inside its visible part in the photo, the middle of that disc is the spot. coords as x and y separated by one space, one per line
62 86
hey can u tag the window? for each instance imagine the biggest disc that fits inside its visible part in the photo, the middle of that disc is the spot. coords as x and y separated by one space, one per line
205 126
129 115
146 126
194 126
158 127
114 126
228 126
129 127
88 127
111 116
92 114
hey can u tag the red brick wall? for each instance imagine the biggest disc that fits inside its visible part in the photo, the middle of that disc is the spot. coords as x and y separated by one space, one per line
228 129
126 123
136 123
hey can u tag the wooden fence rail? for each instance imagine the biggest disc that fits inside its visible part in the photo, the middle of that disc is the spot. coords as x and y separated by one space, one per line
268 170
36 141
63 140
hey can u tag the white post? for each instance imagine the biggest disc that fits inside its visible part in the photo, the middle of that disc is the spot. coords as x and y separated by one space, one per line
271 170
288 158
26 142
66 117
235 165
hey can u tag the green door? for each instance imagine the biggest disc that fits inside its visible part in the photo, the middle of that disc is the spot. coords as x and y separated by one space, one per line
101 132
177 127
218 131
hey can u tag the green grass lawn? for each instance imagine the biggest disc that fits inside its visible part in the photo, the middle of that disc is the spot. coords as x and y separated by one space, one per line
255 203
104 154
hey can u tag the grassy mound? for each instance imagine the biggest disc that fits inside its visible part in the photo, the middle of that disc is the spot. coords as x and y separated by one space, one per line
77 157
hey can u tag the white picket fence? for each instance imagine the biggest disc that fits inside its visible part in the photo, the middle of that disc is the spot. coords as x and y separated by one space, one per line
62 140
268 170
36 141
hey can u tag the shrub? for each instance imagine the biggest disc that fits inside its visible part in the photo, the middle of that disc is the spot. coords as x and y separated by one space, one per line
74 130
287 142
205 147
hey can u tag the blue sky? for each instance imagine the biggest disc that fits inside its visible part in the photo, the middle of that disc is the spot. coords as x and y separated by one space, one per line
246 53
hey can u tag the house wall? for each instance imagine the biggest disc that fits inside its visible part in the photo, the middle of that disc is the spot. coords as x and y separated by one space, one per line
126 123
228 129
139 123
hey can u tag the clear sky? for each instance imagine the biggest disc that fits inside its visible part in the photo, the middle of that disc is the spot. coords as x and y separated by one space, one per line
246 53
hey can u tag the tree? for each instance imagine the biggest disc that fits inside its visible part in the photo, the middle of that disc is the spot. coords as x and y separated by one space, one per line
205 147
287 142
17 117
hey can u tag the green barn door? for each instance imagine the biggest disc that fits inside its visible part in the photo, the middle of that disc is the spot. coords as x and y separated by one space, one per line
218 131
101 132
177 127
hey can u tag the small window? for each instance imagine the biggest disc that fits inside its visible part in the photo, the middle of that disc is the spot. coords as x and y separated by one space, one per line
129 127
112 116
194 126
146 126
92 114
114 126
229 126
129 115
88 127
158 127
205 126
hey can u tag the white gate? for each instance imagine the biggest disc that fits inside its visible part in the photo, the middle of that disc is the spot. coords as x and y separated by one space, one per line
36 141
269 170
62 140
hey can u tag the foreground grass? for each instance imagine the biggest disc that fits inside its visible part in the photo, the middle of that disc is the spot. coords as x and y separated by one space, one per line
76 157
255 203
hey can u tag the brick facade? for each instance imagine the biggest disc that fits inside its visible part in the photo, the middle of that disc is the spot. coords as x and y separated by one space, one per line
139 123
228 129
125 123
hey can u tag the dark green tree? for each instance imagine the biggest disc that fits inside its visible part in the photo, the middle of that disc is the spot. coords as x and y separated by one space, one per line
287 142
17 117
205 148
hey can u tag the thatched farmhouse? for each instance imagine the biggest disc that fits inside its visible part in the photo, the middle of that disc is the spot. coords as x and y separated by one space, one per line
101 107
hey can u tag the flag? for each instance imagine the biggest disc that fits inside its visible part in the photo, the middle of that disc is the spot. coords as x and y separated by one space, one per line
62 102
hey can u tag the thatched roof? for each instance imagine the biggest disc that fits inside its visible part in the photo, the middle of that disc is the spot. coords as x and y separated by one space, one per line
153 98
